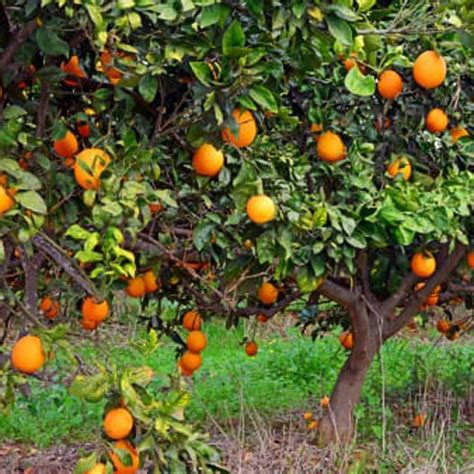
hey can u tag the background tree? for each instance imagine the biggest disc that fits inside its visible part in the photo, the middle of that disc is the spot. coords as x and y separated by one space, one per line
220 146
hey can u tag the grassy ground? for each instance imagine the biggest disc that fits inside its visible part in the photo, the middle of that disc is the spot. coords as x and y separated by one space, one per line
288 376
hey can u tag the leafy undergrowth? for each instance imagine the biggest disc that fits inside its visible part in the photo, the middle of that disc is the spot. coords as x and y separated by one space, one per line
289 375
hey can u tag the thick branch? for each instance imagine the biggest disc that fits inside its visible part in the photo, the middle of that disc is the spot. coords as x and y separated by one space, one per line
363 265
337 293
450 263
270 312
17 40
69 266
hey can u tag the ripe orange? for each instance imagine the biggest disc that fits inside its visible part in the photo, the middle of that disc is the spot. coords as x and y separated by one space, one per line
196 342
316 127
155 207
207 160
49 307
390 84
89 325
423 264
436 121
95 311
83 128
90 163
118 423
349 63
457 133
98 469
429 70
433 298
330 147
346 340
443 326
120 468
247 129
67 146
470 259
324 402
419 420
106 59
190 361
28 355
151 284
262 319
73 68
308 415
192 321
261 209
251 348
267 293
400 166
135 287
313 425
6 201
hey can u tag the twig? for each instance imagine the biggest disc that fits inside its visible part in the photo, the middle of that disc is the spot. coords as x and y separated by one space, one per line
14 45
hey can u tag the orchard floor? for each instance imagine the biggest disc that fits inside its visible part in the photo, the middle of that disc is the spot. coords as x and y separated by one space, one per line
253 407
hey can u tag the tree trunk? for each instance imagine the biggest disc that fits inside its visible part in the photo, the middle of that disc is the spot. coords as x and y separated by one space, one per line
337 425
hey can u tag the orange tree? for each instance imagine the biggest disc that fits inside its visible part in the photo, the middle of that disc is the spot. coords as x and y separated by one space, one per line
188 152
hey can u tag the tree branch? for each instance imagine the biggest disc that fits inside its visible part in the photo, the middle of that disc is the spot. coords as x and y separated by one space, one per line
394 325
337 293
17 40
363 265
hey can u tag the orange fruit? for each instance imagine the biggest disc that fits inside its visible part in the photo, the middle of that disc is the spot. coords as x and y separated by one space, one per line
6 201
135 287
324 402
349 63
267 293
316 127
429 70
457 133
98 469
121 468
400 166
49 307
89 325
433 298
155 207
419 420
67 146
3 180
196 342
436 121
262 319
247 129
346 340
190 361
443 326
106 60
118 423
149 279
192 321
251 348
330 147
89 165
207 160
95 311
84 129
313 425
308 415
73 68
470 259
261 209
390 84
423 264
28 355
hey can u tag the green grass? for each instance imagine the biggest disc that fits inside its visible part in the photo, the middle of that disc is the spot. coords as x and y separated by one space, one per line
289 373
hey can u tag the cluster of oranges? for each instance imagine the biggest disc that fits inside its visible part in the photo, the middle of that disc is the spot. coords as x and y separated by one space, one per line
311 422
196 342
118 424
142 284
50 307
94 312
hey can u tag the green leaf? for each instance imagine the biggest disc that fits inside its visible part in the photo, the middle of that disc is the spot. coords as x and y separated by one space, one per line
366 5
307 280
77 232
202 234
343 12
32 201
13 112
88 256
202 72
359 84
213 14
85 464
340 30
148 86
264 97
233 41
50 43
